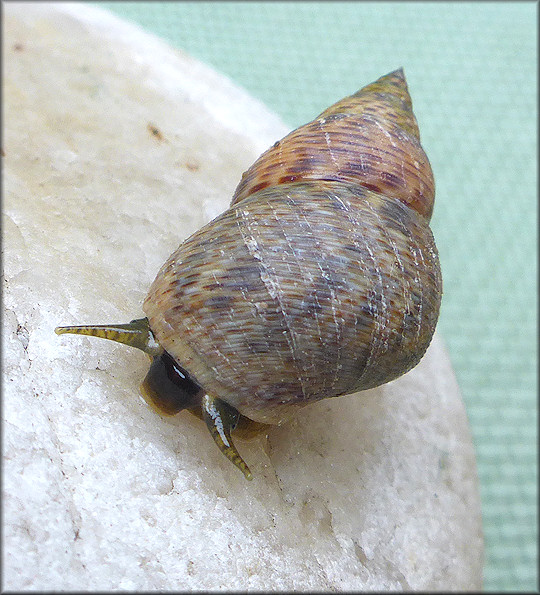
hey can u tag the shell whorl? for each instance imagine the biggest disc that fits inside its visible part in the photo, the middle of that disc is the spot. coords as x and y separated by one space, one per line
322 278
370 138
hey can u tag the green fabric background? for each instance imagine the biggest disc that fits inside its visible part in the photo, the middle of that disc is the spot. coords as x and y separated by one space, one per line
471 69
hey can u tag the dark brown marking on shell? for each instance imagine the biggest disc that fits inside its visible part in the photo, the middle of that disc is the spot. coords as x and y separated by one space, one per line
261 185
287 179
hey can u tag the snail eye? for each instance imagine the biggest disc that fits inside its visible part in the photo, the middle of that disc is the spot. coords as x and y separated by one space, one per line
167 388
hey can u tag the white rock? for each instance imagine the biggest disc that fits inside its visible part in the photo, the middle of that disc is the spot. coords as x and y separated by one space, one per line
371 491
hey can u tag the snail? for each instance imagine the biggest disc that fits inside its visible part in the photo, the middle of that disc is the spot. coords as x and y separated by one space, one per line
321 279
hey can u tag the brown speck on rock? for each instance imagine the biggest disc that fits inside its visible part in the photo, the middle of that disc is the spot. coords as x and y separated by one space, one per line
155 131
18 47
192 165
2 152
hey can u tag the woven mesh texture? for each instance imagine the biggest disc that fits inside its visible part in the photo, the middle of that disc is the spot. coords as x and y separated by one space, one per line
471 69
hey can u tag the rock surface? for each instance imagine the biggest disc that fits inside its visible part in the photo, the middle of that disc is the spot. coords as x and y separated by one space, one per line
115 149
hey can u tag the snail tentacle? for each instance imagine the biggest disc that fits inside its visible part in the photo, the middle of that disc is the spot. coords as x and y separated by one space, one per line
136 334
221 419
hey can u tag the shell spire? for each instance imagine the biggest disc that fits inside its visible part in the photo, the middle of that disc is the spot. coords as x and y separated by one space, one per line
370 139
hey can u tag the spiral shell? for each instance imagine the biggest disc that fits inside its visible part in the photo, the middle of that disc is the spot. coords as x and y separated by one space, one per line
322 278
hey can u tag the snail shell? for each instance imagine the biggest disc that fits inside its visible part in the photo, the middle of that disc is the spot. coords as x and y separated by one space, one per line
322 278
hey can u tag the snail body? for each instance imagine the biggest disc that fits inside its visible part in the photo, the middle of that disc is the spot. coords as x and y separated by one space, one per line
320 280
